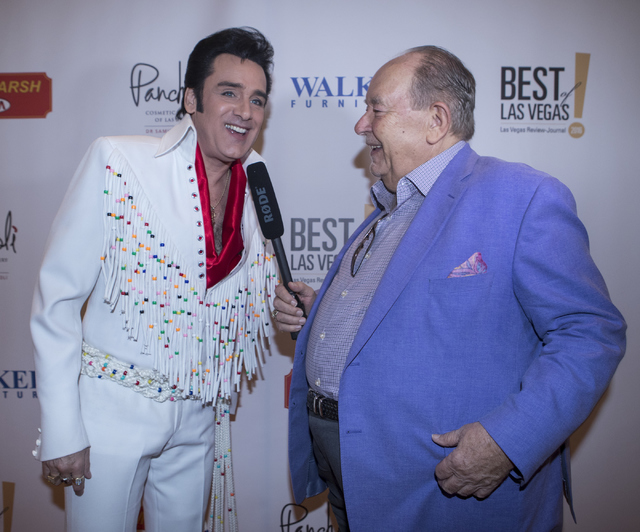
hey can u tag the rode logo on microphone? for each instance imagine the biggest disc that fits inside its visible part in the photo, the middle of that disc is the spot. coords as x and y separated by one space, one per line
263 201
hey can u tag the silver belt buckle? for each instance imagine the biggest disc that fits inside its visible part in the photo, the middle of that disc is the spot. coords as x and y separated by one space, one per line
317 404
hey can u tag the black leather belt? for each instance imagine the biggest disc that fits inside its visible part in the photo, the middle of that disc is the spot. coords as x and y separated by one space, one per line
322 406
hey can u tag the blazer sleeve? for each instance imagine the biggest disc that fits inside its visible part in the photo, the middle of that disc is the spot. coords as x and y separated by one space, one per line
581 333
69 271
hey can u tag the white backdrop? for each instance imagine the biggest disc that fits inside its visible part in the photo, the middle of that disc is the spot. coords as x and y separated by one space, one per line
90 50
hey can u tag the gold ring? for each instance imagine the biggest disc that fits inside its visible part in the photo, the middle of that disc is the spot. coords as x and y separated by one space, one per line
78 481
274 313
52 479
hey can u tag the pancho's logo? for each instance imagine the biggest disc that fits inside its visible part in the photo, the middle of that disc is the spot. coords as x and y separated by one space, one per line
292 515
25 95
146 89
537 99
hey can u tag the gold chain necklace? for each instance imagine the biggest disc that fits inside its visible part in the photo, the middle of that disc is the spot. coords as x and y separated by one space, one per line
214 207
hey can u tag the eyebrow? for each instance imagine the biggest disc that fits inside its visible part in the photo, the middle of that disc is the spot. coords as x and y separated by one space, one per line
235 85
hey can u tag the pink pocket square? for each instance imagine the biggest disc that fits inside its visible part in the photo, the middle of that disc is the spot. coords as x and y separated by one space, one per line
472 266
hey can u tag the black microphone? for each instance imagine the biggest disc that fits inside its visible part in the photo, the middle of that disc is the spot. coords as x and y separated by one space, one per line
270 221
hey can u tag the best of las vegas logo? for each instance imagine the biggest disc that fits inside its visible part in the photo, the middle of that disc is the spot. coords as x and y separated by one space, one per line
537 99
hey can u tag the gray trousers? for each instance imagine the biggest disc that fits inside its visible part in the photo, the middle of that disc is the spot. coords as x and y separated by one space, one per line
325 435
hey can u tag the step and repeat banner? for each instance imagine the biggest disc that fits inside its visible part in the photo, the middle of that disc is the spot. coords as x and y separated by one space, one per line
557 84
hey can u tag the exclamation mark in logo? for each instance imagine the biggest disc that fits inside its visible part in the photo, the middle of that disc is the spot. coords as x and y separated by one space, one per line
576 130
8 491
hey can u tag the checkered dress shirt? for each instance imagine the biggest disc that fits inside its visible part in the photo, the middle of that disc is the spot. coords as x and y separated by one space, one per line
347 299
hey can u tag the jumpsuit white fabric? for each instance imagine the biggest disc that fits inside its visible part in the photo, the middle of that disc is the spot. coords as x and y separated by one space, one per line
129 241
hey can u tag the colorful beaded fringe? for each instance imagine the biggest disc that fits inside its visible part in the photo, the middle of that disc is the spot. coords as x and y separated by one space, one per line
202 342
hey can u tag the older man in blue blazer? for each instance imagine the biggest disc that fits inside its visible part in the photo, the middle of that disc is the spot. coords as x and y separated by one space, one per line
461 336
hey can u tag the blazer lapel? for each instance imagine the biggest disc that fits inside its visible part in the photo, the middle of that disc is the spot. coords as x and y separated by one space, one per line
416 243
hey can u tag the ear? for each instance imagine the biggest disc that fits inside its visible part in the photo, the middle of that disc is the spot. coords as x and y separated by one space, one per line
439 122
190 101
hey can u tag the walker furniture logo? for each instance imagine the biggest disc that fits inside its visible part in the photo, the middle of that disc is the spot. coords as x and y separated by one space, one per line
18 383
25 95
8 493
537 99
338 91
145 89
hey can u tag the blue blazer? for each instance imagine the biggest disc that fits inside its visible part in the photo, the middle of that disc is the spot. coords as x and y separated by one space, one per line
526 348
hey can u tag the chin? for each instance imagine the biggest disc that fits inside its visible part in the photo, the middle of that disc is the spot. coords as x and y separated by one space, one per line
374 172
238 153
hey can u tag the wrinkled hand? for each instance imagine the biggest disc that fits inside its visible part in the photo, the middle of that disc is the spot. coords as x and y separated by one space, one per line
72 466
476 467
287 316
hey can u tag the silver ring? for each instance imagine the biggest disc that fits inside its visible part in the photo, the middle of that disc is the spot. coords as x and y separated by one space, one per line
66 479
274 313
78 481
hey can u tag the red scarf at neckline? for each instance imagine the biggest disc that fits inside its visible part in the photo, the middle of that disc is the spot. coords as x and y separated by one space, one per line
219 266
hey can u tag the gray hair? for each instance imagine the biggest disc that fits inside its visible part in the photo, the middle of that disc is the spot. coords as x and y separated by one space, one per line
441 76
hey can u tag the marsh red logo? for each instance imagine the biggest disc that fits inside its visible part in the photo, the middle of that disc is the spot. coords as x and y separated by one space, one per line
25 95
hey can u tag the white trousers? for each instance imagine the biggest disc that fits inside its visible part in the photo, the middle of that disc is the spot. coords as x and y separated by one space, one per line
164 450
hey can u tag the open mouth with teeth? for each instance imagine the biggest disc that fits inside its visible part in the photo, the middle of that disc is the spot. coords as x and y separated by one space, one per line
236 129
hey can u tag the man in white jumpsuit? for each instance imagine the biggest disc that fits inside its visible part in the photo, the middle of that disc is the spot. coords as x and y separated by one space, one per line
160 238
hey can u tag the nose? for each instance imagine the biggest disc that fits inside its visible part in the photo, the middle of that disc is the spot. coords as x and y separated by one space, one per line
364 124
243 109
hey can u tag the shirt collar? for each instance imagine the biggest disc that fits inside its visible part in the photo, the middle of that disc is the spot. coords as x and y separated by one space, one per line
419 180
184 132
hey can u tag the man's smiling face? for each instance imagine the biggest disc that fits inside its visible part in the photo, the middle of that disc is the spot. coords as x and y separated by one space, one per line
396 133
231 109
